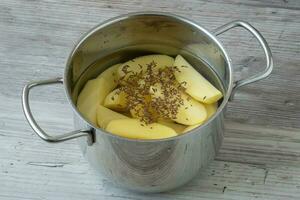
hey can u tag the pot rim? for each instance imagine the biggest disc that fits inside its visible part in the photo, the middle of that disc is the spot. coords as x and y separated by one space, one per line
150 13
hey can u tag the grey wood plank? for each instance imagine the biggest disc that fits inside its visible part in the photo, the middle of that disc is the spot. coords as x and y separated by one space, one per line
260 156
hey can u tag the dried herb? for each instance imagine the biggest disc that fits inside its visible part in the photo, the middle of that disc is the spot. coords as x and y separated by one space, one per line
140 89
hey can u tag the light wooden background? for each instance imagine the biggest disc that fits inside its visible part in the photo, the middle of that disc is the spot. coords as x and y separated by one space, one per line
260 156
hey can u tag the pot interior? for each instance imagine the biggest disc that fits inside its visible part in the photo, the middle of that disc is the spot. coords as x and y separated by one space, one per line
127 37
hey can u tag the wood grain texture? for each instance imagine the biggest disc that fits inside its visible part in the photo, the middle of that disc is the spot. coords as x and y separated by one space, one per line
260 156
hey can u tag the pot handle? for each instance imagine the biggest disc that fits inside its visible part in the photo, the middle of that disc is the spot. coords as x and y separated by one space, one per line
37 129
263 43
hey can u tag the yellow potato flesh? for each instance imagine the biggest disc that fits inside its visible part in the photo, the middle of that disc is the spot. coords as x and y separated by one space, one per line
90 97
211 109
190 113
189 128
95 91
116 100
156 91
133 128
137 111
111 75
178 128
105 115
140 63
196 85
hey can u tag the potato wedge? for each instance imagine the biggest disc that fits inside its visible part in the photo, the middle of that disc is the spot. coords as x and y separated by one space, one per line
190 113
156 91
134 129
116 100
111 75
189 128
105 115
211 109
140 63
137 111
90 97
196 85
179 128
95 91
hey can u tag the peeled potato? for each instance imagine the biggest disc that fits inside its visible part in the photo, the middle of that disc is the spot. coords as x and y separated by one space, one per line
140 63
90 97
105 115
134 129
95 91
156 91
111 75
196 85
116 100
190 113
137 111
189 128
211 109
179 128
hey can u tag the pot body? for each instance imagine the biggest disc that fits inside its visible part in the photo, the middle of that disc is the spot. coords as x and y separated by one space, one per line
149 166
153 166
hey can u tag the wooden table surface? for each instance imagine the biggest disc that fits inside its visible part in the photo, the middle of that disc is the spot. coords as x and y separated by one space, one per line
260 156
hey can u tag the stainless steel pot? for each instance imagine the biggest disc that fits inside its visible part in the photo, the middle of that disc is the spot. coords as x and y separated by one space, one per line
149 165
